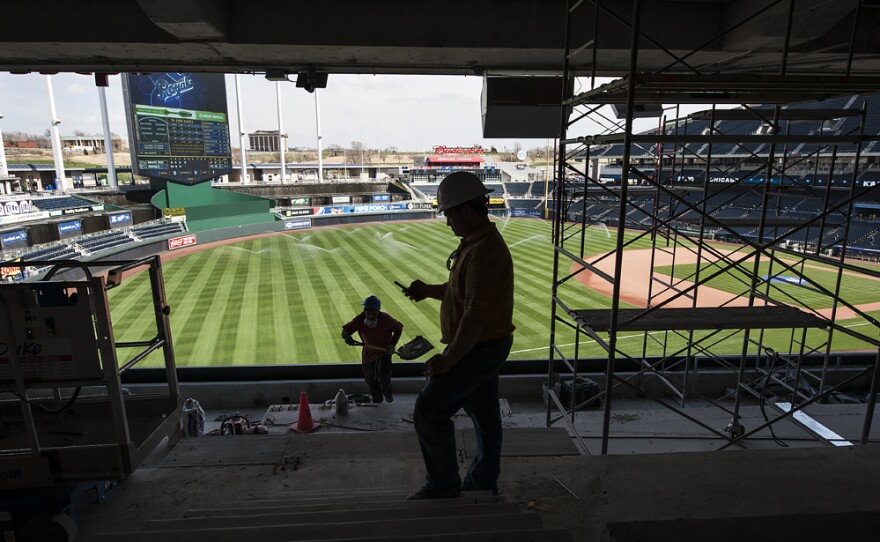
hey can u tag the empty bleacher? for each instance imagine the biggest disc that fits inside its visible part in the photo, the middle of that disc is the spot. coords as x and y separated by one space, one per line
60 251
104 241
518 190
525 203
157 230
60 203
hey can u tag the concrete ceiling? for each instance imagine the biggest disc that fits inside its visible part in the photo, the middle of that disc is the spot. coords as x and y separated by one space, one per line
450 37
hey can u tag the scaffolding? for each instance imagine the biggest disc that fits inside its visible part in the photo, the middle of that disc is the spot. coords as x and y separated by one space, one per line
724 254
58 340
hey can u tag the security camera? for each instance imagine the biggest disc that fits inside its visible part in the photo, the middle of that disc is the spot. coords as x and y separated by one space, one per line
310 80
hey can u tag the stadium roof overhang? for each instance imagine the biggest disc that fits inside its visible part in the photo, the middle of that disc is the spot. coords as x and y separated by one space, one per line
282 37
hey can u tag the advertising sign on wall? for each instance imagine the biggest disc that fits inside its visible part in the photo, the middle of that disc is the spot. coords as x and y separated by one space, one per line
12 238
341 199
381 197
120 219
182 241
69 228
297 212
527 212
297 224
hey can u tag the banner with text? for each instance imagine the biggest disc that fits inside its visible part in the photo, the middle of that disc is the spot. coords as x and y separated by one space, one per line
182 241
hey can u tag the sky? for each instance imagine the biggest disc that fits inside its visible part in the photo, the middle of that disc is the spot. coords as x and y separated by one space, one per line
409 112
404 111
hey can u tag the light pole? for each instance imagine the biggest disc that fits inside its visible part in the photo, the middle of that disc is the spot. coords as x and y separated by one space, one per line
241 132
108 138
320 151
60 180
4 171
281 146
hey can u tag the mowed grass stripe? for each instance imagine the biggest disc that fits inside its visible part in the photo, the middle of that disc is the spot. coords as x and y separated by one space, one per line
336 286
293 296
313 325
209 321
268 336
191 301
225 348
277 351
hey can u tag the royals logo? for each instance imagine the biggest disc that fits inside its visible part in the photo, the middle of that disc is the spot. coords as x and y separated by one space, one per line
168 90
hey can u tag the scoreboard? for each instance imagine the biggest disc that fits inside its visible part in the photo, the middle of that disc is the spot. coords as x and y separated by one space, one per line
179 125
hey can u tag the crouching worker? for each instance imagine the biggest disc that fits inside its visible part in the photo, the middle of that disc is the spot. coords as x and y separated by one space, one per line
379 333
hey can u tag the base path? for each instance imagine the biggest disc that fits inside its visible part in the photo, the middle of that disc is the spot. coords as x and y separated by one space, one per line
637 276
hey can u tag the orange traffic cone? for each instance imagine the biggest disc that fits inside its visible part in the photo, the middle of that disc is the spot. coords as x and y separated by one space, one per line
304 423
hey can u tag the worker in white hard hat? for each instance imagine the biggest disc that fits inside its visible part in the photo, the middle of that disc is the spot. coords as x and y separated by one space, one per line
379 333
476 324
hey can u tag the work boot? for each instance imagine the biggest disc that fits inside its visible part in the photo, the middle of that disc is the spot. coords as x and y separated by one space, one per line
377 398
389 397
429 493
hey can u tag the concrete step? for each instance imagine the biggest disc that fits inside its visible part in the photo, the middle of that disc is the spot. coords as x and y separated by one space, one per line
277 507
256 502
403 529
523 535
349 516
312 493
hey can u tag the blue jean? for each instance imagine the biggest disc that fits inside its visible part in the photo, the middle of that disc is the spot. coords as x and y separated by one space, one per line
472 384
377 375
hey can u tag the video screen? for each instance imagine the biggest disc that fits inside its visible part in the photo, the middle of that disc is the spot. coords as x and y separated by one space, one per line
179 125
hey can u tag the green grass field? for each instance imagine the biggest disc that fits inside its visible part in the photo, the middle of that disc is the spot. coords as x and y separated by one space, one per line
283 299
854 289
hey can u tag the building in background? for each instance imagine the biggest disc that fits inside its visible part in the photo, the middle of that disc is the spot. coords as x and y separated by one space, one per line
264 140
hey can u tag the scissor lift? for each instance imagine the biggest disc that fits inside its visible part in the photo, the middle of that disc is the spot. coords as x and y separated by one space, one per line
66 424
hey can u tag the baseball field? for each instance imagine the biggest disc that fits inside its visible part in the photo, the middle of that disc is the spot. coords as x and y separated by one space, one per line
282 299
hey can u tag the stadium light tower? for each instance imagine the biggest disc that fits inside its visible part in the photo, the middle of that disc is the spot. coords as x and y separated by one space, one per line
108 138
4 171
241 133
60 181
281 146
320 153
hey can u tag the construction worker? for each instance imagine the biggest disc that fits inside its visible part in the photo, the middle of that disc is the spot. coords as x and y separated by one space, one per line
476 324
379 333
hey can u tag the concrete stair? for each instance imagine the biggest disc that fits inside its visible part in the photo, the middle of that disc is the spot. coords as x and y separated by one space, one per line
354 516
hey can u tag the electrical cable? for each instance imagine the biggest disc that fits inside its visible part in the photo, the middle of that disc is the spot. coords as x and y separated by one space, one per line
31 402
761 402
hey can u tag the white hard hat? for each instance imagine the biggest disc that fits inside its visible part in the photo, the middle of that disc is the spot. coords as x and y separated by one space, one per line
459 187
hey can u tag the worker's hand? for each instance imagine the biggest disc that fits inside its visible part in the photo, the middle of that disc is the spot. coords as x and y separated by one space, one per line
346 336
417 290
391 349
436 366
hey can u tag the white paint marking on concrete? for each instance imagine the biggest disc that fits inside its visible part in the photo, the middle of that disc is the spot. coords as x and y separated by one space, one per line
815 426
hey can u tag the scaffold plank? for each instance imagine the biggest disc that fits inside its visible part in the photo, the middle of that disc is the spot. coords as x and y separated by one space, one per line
699 318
